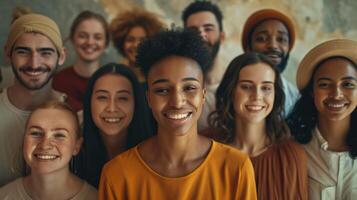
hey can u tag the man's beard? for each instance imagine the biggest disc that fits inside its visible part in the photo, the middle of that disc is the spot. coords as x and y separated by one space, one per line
284 62
30 69
214 48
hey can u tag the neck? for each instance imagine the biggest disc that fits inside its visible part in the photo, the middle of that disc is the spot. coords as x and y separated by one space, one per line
26 99
176 149
85 69
250 137
60 184
216 72
334 132
114 144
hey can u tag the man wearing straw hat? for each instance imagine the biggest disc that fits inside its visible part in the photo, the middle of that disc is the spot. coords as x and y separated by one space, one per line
34 49
272 33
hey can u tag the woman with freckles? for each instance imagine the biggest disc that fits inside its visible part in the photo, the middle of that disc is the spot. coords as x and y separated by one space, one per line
324 119
52 138
116 118
177 163
89 36
249 117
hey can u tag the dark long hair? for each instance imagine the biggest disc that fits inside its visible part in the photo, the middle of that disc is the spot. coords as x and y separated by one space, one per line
94 155
303 118
223 118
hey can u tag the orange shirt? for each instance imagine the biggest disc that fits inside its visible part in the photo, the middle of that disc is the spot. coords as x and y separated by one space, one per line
226 173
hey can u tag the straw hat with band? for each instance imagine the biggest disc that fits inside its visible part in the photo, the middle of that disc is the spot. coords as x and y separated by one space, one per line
34 23
337 47
263 15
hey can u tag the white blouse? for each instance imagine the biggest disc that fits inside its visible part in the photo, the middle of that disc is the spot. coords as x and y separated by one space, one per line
332 175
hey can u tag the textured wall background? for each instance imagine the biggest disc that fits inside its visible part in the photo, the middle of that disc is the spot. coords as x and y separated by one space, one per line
316 21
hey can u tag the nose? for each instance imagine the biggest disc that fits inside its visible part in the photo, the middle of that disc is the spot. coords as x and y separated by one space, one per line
34 60
45 143
336 93
111 105
256 93
203 34
273 44
90 40
177 99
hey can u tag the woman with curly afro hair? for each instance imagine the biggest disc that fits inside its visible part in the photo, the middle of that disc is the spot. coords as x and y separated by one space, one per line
128 30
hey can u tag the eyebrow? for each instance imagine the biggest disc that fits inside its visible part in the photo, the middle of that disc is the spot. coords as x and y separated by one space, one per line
266 32
105 91
166 80
39 49
60 129
249 81
344 78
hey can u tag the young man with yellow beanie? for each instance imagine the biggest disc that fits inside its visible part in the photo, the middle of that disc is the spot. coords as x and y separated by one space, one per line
34 49
272 33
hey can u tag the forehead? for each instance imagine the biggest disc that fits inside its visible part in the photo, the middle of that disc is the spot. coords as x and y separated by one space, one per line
336 68
175 68
137 31
112 82
271 26
258 72
34 40
201 18
52 118
90 25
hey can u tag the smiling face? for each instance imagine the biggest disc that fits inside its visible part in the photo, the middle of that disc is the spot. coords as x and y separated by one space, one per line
176 94
50 140
271 38
112 104
89 40
254 94
34 59
335 89
131 42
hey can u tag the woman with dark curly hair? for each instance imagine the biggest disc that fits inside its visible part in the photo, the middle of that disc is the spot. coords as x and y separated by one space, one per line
129 29
248 116
177 163
116 118
325 118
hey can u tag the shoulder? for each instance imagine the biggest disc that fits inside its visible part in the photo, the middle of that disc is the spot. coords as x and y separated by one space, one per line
127 158
12 190
87 192
227 154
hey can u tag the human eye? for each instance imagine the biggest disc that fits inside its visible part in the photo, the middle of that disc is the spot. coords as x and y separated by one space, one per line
46 53
101 97
35 133
123 98
260 38
190 88
283 39
267 88
59 135
22 52
323 85
161 91
349 85
246 86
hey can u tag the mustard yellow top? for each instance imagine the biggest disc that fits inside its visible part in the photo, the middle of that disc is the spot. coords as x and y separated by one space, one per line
226 173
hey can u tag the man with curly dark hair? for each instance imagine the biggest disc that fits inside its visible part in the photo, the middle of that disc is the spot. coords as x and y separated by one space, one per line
206 18
177 163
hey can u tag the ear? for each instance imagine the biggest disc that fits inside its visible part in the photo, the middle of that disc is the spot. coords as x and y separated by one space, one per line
62 56
222 36
78 145
204 91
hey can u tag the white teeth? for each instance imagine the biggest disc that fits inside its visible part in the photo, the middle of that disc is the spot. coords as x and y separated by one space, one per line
255 108
335 105
46 157
112 120
34 73
178 116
